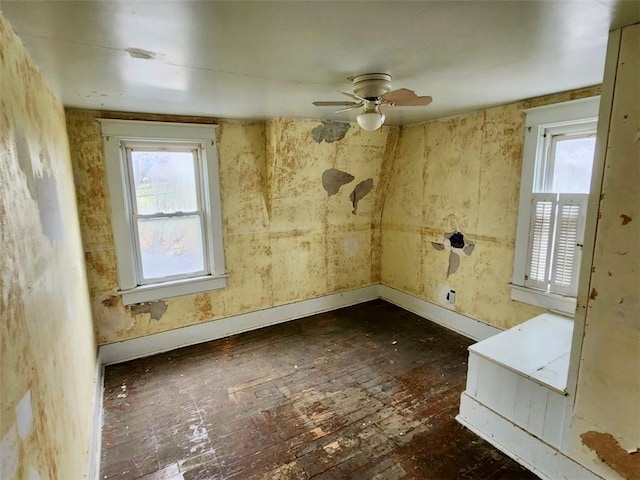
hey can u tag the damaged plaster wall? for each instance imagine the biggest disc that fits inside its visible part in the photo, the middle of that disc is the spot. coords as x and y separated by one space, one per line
606 421
47 346
285 238
460 174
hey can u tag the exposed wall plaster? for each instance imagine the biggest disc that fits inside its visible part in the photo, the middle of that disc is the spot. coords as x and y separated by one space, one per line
330 131
454 263
49 207
359 192
155 309
333 179
610 452
458 245
24 415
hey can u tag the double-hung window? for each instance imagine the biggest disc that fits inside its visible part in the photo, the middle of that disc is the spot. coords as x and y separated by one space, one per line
165 203
556 180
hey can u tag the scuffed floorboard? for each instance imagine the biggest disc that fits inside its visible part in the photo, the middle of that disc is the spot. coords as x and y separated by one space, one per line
366 392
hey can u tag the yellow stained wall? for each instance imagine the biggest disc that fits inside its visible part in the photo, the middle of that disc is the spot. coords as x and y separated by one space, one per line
285 239
47 347
606 420
460 173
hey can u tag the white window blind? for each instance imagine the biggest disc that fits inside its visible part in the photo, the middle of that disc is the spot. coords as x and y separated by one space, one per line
556 230
568 244
543 212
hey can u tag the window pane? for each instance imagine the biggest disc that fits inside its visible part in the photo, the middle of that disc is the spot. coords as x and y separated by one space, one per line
164 182
171 246
573 165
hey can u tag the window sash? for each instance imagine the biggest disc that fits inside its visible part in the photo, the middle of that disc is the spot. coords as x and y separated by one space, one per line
134 216
546 158
142 280
550 159
195 150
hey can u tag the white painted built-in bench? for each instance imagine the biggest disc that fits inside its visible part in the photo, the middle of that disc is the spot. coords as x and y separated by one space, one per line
516 394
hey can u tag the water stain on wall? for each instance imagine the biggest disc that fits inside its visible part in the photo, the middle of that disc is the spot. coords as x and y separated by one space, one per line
330 131
625 219
610 452
111 317
333 179
203 307
361 190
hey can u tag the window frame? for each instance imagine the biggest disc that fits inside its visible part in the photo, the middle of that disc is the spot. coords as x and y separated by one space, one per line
117 136
571 116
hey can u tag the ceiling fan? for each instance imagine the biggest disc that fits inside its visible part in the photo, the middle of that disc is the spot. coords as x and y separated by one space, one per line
372 91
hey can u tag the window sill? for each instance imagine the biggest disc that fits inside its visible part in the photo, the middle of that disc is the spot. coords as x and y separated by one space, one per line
551 301
176 288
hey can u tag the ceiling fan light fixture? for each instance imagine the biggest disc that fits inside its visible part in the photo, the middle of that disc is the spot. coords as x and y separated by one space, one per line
370 120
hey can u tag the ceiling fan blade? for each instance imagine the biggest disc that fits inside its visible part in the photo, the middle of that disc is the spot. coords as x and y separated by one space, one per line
337 104
353 96
357 105
403 97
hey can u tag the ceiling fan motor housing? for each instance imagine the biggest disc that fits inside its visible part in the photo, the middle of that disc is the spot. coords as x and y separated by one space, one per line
371 85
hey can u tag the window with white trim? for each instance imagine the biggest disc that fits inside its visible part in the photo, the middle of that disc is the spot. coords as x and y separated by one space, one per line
165 204
556 180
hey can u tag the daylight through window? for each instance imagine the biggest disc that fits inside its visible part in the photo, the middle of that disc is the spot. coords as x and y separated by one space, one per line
165 202
560 145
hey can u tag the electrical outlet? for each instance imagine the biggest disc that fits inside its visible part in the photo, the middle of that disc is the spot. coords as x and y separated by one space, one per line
451 296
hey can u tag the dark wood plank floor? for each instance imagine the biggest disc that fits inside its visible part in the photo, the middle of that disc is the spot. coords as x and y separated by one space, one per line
366 392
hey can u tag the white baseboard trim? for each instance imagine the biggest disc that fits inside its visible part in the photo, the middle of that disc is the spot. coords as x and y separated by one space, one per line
224 327
95 447
457 322
526 449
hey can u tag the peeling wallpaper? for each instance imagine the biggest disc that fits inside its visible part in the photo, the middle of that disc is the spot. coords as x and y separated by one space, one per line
289 228
285 238
606 421
47 348
460 174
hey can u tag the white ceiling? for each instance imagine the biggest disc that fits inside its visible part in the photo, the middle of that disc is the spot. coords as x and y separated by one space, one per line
266 59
